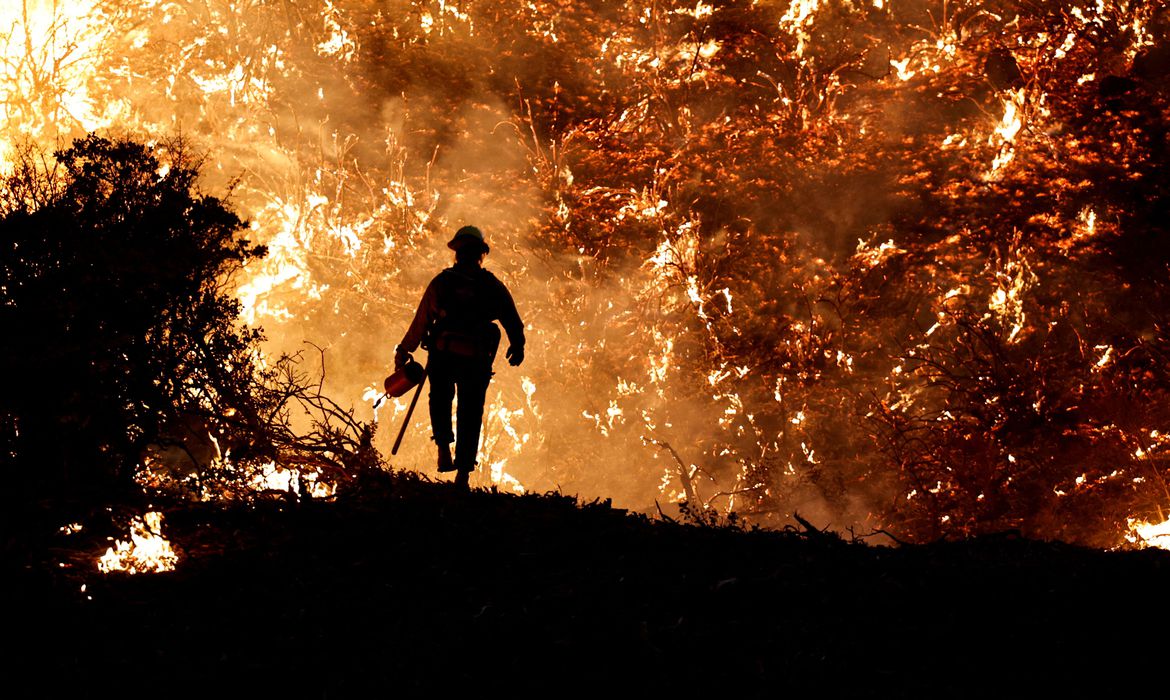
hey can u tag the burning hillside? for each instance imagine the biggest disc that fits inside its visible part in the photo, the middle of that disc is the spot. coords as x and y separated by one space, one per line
888 263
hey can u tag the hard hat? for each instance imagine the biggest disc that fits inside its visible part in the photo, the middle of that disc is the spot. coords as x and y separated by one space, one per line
468 235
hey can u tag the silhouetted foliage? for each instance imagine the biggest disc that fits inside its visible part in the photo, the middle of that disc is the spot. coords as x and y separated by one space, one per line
117 324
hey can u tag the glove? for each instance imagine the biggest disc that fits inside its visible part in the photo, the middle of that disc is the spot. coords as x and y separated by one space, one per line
401 357
515 355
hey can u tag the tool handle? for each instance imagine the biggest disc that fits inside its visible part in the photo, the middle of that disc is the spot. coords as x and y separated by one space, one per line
409 413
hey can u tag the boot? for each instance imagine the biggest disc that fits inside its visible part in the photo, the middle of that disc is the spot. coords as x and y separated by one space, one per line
445 463
461 479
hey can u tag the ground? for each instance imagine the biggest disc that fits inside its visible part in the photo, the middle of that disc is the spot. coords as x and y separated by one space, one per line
411 588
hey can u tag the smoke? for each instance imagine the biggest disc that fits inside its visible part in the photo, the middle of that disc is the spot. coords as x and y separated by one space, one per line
356 137
762 249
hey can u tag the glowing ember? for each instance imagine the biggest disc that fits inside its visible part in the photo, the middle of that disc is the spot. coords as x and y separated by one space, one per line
147 551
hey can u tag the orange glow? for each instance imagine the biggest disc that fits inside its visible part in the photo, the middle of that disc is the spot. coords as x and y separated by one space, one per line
836 261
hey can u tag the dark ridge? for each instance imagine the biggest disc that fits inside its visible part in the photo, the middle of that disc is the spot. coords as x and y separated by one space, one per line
410 588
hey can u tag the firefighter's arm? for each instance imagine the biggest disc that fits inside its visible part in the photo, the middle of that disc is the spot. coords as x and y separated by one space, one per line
513 326
427 309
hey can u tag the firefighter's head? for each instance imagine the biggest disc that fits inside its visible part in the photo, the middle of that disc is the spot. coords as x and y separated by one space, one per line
469 245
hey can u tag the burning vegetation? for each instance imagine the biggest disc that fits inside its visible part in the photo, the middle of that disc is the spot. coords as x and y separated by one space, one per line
889 264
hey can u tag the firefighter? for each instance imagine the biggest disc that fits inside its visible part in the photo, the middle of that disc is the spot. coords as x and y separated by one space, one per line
455 325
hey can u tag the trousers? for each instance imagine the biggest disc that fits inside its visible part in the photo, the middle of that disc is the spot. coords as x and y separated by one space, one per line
468 377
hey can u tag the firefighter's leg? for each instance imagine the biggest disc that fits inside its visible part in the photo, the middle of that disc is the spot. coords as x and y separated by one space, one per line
473 385
440 398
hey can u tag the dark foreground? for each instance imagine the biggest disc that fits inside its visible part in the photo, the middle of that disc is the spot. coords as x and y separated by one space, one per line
413 590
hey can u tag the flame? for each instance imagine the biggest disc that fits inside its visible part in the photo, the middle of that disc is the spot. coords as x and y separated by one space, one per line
927 56
1147 534
870 256
503 479
270 477
1106 356
224 479
50 53
338 43
1003 137
1012 279
798 20
349 218
147 551
1083 231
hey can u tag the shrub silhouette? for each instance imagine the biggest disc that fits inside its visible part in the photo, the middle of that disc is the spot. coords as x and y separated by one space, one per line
117 324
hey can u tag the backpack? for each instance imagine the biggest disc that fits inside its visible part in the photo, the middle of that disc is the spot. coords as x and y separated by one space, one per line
465 325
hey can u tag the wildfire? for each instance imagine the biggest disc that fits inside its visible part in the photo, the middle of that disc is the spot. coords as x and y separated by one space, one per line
147 551
640 169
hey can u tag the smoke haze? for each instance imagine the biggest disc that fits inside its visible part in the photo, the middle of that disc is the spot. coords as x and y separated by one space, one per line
787 256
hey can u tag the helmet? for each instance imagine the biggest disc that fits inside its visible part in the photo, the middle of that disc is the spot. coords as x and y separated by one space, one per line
468 235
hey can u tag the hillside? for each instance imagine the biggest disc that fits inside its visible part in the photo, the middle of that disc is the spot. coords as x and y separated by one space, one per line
410 588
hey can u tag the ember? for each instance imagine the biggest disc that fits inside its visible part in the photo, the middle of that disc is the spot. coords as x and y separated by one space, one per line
939 223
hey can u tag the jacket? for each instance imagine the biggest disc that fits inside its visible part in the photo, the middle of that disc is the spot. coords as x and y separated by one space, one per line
464 299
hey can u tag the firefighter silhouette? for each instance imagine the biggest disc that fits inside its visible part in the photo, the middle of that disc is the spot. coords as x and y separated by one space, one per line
455 324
